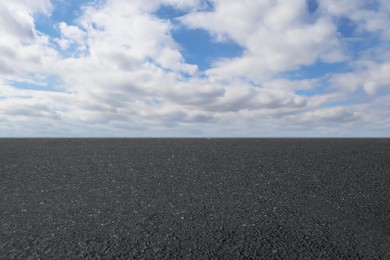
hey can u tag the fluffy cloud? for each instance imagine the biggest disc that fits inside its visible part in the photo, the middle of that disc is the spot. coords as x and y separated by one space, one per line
116 69
369 16
372 78
24 52
277 36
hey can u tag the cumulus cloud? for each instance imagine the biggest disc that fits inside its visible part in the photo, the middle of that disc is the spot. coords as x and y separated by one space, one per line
369 16
116 69
24 52
372 78
277 36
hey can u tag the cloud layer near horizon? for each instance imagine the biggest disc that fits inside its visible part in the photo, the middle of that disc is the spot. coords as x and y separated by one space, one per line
115 69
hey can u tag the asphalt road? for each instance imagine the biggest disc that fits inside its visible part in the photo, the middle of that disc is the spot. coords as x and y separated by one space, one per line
194 198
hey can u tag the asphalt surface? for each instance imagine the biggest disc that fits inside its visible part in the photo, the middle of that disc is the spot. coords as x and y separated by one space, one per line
194 198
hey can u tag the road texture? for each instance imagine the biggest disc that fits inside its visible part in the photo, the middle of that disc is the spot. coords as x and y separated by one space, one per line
195 198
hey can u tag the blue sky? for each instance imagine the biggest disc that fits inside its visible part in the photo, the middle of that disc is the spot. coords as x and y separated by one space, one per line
254 68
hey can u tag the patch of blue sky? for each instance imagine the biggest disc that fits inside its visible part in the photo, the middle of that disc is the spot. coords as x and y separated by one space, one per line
358 45
169 12
51 84
46 25
312 5
63 11
198 47
344 102
346 27
68 11
316 70
382 92
319 70
355 40
372 5
321 88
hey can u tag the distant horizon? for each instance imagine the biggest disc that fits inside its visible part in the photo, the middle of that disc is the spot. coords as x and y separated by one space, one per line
195 69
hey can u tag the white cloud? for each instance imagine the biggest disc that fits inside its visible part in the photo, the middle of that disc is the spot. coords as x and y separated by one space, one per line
370 72
366 17
71 34
24 52
120 71
277 36
16 18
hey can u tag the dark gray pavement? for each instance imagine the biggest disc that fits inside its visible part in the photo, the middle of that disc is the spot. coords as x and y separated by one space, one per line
194 199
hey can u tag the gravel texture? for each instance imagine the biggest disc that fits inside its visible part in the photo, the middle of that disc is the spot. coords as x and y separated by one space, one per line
194 198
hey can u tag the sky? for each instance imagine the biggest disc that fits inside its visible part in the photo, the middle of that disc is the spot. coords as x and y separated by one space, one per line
195 68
